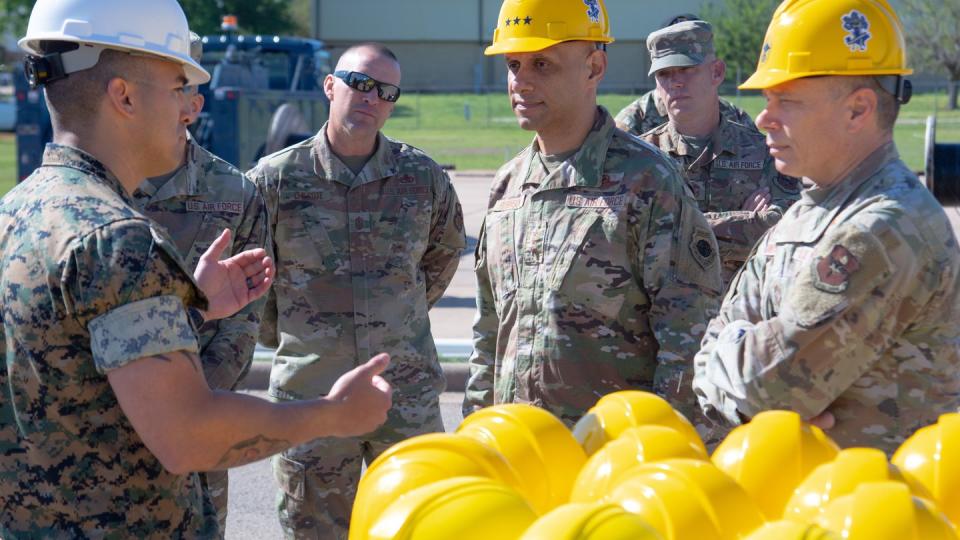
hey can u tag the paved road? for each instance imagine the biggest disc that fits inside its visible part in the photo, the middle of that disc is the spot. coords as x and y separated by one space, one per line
252 515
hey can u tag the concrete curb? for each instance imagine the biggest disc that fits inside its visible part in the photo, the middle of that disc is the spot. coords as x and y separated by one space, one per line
258 378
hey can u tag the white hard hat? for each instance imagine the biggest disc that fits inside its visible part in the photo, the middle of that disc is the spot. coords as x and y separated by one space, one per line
156 27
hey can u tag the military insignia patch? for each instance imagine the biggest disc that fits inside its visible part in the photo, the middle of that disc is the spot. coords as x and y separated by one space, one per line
858 26
593 10
832 273
702 249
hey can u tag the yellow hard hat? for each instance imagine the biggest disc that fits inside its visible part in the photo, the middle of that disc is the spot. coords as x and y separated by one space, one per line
687 499
613 413
791 530
597 521
634 446
851 467
534 25
932 457
771 455
809 38
465 508
885 511
419 461
536 444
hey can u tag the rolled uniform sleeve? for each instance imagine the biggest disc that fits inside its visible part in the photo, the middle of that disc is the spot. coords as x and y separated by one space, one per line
684 290
127 285
228 354
738 231
838 313
447 240
479 389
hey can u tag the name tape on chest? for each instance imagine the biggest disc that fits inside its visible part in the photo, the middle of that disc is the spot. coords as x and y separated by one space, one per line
406 191
225 207
738 165
511 203
311 196
607 202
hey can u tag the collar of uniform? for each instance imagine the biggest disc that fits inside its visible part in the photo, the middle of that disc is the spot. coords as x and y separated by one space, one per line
58 155
839 193
721 135
585 168
184 183
327 165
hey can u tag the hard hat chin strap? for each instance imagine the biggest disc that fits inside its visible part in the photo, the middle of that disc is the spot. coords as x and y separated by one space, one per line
41 70
897 86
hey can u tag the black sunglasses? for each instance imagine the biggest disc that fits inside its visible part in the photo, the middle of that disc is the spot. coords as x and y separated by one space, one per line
365 83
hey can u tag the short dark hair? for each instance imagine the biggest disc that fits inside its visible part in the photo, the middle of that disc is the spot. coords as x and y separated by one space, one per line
76 99
888 108
376 47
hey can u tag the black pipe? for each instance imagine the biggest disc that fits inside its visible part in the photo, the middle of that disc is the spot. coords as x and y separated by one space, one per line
942 171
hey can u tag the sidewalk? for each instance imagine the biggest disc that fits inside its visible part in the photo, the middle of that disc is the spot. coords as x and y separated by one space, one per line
451 319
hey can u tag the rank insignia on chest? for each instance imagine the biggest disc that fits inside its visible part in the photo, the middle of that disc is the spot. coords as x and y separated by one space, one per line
361 221
226 207
832 273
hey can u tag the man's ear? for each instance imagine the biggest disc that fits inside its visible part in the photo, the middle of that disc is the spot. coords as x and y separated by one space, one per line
598 65
120 96
861 108
328 82
718 72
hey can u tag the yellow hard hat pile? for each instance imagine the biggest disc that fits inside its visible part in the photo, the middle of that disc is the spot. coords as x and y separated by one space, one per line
634 468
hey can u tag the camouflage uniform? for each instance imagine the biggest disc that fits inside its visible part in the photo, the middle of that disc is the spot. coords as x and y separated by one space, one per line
360 260
849 304
201 199
598 277
649 112
87 285
734 165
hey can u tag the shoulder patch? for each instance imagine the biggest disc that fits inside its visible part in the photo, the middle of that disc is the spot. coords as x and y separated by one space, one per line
832 272
702 249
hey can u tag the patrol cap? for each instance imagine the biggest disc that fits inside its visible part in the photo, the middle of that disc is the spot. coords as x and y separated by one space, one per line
684 44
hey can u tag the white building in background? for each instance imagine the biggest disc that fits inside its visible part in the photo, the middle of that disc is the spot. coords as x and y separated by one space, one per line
440 42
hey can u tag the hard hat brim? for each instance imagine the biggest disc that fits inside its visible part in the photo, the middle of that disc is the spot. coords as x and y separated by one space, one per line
195 73
530 44
761 80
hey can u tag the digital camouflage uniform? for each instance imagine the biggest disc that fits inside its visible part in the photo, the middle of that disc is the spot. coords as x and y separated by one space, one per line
849 304
598 277
204 197
87 285
360 260
649 112
735 164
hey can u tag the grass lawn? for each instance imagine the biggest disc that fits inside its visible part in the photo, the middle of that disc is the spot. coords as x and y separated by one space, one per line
8 169
480 132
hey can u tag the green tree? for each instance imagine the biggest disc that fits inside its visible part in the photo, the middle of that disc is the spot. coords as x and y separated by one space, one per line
14 15
738 30
933 39
254 16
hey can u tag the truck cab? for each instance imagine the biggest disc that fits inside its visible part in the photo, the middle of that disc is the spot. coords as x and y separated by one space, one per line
266 93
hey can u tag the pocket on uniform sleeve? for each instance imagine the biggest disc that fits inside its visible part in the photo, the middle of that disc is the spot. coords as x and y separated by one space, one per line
290 475
697 258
